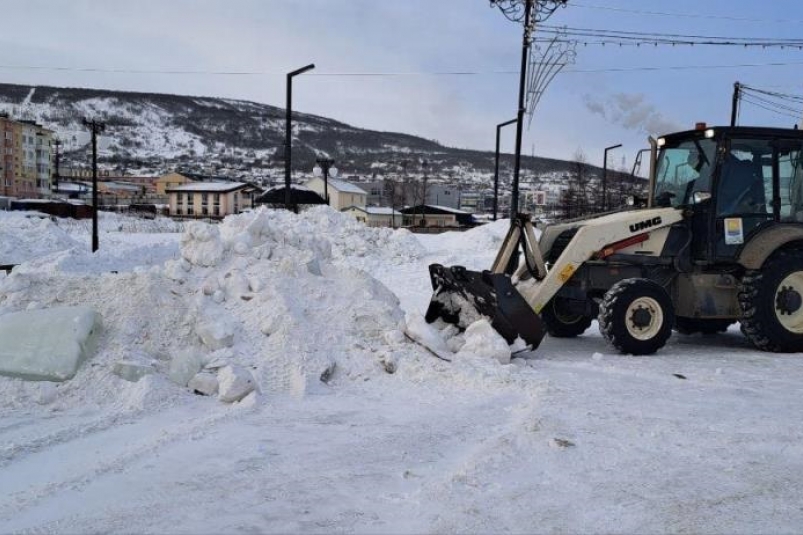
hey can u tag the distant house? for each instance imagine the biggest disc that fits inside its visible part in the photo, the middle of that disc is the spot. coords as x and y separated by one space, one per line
428 215
209 199
443 195
342 194
376 192
375 216
170 180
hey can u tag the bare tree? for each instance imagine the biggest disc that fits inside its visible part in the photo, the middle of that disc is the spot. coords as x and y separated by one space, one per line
580 181
394 194
577 200
420 191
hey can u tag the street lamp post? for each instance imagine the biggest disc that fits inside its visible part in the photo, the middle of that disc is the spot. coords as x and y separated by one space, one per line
514 201
533 11
325 168
496 164
605 176
288 139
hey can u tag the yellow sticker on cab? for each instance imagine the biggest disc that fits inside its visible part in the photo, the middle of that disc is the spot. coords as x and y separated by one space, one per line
566 273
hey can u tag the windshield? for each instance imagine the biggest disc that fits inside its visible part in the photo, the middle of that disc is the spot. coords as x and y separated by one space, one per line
683 167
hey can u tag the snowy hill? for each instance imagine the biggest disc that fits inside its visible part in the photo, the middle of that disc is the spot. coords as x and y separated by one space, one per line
153 133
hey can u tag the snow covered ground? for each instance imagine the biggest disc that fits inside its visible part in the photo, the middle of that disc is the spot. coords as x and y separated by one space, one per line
704 437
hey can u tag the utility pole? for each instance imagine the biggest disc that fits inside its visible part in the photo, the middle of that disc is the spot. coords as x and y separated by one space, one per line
96 128
496 164
735 104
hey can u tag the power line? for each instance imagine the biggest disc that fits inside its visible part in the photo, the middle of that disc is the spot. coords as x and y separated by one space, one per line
786 104
686 15
786 96
356 74
598 32
593 36
770 109
684 67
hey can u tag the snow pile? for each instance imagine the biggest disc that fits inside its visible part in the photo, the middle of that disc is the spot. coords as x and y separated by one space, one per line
24 236
487 237
66 244
267 293
338 236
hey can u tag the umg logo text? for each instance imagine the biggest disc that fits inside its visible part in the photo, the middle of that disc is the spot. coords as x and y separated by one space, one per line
643 225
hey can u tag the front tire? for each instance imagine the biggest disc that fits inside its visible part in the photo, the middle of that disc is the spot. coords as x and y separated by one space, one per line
771 300
561 322
636 316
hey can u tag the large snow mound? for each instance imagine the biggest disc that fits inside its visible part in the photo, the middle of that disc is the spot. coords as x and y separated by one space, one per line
65 244
284 296
47 345
24 236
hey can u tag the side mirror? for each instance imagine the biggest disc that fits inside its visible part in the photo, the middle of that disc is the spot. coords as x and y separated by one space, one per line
699 197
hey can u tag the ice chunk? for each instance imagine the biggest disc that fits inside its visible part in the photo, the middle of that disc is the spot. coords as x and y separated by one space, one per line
132 371
47 344
483 340
184 365
216 334
428 336
235 382
205 383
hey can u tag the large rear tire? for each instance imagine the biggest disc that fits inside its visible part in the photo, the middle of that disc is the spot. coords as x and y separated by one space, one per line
561 322
636 316
771 300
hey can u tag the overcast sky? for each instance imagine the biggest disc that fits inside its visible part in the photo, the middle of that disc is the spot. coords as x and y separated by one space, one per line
610 95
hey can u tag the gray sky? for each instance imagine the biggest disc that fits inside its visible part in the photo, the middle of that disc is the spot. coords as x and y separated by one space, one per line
610 95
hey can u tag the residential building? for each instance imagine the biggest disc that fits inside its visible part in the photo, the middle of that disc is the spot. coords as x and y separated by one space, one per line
7 152
25 161
170 180
376 216
436 216
377 196
443 195
342 194
213 200
471 201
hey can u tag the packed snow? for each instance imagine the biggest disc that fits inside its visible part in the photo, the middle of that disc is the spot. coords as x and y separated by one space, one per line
259 375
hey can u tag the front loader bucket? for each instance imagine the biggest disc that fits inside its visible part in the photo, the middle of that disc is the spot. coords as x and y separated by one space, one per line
462 297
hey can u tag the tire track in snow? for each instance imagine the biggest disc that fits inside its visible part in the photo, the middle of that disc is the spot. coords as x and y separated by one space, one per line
192 428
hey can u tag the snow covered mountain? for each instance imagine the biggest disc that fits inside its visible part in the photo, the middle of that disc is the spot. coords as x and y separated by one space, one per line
153 133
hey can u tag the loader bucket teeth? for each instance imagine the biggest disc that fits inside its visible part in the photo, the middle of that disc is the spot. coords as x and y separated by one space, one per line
461 297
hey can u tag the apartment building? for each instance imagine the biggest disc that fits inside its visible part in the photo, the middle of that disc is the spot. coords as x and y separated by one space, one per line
26 159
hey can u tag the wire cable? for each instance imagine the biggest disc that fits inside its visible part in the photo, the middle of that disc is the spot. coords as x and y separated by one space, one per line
685 15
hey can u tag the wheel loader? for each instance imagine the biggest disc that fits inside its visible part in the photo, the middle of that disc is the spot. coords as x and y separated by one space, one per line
719 239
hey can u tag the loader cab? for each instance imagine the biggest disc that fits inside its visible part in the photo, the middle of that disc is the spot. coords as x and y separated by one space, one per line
732 182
